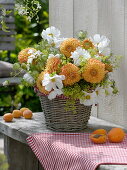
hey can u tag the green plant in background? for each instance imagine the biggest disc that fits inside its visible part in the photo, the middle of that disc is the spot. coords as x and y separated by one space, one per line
3 162
28 33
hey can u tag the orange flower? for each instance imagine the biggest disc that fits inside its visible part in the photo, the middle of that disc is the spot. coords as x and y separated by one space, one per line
68 46
94 71
52 64
39 83
87 44
24 54
71 73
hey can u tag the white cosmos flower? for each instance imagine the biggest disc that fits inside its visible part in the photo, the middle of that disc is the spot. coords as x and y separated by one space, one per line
57 42
54 93
53 82
106 51
89 99
33 56
28 78
52 56
50 33
102 93
31 51
79 55
101 42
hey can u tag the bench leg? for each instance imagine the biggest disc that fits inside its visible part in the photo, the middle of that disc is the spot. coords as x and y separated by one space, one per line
20 155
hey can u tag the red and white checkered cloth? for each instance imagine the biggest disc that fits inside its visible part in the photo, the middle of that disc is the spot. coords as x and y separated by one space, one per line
75 151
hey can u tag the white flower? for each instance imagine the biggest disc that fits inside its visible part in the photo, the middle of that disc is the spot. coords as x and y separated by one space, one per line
33 56
21 9
52 56
106 51
28 78
50 33
57 42
38 5
54 93
101 93
53 82
31 51
79 55
5 83
89 99
101 42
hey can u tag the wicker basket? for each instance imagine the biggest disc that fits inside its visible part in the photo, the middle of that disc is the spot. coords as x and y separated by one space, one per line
57 119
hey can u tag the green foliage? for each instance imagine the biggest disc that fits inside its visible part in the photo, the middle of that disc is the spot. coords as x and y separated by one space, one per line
3 162
74 92
28 34
2 18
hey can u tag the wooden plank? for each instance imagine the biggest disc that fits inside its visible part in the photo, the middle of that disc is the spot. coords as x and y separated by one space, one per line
11 26
12 80
8 6
61 16
9 19
17 131
7 1
20 156
7 46
111 24
125 63
85 16
12 32
20 128
6 39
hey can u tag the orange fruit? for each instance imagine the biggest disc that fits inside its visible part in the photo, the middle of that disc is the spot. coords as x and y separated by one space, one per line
98 138
100 131
116 135
27 114
23 109
8 117
16 113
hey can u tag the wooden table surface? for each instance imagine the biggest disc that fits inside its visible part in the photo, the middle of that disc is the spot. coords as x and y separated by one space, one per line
21 128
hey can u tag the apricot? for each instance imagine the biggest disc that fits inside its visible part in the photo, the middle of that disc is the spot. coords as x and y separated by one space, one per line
23 109
116 135
16 113
98 138
100 131
8 117
27 114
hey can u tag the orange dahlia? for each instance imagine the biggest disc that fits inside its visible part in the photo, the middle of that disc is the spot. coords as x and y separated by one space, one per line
39 83
87 44
94 71
68 46
52 64
24 54
71 73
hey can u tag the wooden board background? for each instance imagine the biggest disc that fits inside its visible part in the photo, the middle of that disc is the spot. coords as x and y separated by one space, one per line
107 17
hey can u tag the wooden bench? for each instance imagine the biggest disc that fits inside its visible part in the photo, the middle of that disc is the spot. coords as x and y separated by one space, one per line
7 40
19 154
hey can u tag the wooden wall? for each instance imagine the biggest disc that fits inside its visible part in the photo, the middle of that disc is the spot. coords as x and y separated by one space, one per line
107 17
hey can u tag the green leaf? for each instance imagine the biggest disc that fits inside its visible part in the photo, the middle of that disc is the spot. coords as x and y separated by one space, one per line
4 26
8 12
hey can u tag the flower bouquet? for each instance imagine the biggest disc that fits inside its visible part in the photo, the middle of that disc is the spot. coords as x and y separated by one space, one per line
69 75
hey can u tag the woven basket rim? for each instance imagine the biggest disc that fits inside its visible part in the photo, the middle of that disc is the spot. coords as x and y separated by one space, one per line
36 90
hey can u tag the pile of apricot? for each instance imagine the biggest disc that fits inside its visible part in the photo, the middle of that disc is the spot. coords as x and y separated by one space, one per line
115 135
23 112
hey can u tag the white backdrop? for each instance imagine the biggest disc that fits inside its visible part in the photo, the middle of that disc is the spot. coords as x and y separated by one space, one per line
107 17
